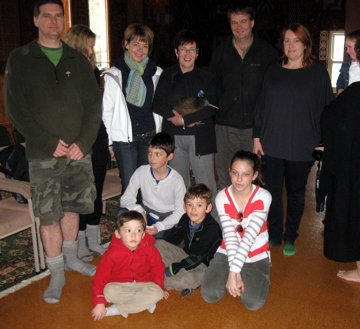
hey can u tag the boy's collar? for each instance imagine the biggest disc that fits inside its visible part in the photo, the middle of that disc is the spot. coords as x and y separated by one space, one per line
158 180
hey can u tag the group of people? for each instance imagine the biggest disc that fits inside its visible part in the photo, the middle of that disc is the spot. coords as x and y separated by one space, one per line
157 190
267 114
135 271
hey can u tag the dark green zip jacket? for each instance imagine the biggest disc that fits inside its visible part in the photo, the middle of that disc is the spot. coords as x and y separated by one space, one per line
48 103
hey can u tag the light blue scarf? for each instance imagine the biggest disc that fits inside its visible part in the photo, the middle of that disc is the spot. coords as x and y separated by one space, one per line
135 87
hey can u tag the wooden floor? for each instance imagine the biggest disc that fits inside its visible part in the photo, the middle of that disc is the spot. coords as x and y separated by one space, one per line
304 293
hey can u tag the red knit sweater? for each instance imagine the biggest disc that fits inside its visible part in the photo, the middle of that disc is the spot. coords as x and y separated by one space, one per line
120 264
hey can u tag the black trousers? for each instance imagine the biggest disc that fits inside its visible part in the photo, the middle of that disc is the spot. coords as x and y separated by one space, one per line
94 218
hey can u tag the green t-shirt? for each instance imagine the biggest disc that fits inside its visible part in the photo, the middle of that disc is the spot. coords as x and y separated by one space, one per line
54 54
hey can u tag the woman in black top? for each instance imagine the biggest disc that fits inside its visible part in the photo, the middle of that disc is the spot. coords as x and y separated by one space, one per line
194 134
287 128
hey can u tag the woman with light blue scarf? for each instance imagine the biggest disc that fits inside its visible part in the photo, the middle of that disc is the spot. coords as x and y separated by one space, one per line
127 102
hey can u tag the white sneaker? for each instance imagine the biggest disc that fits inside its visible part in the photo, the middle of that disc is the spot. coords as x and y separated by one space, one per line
112 310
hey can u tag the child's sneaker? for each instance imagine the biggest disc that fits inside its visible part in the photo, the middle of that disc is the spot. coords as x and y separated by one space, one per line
113 310
152 308
187 291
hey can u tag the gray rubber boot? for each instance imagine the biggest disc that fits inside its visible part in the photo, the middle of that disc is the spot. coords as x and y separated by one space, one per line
56 266
72 261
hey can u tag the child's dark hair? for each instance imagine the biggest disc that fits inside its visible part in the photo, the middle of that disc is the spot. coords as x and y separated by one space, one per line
198 191
254 161
164 142
129 215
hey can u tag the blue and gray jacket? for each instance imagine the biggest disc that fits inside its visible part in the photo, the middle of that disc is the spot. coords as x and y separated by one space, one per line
343 79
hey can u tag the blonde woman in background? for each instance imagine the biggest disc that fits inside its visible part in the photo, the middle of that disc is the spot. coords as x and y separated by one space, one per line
81 38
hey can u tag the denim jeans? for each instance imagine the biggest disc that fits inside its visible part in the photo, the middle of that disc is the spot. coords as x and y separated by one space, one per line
99 172
295 174
130 156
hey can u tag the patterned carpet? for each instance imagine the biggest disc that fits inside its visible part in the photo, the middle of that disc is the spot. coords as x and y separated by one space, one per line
16 258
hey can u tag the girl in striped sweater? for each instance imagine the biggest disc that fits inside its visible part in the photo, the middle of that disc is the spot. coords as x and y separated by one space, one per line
241 264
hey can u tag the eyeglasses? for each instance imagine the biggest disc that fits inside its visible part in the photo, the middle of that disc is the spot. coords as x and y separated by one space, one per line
239 217
183 51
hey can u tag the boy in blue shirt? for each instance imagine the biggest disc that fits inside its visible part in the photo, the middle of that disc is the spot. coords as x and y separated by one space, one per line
201 234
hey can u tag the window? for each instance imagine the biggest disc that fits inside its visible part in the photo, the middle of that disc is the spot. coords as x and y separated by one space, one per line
98 24
336 51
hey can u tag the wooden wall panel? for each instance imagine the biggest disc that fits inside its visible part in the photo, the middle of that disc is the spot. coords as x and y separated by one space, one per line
352 16
9 30
4 119
117 23
9 40
28 31
80 12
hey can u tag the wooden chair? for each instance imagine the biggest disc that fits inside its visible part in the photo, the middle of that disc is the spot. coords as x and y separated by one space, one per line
112 186
16 217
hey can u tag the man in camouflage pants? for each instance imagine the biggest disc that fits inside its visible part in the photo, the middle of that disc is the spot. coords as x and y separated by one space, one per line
53 99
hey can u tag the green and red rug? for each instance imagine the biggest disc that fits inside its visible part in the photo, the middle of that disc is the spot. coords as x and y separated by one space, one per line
17 261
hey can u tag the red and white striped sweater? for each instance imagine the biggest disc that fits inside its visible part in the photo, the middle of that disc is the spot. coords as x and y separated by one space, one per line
252 244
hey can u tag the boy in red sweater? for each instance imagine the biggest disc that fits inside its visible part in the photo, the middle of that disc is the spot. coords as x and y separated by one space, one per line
131 273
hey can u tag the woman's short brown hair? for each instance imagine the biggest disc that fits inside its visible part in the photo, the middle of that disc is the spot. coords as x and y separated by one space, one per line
304 36
140 31
185 36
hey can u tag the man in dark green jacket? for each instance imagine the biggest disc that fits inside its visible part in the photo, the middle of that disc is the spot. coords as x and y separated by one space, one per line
53 99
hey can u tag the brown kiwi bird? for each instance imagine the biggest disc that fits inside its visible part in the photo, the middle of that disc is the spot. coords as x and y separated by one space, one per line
188 105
